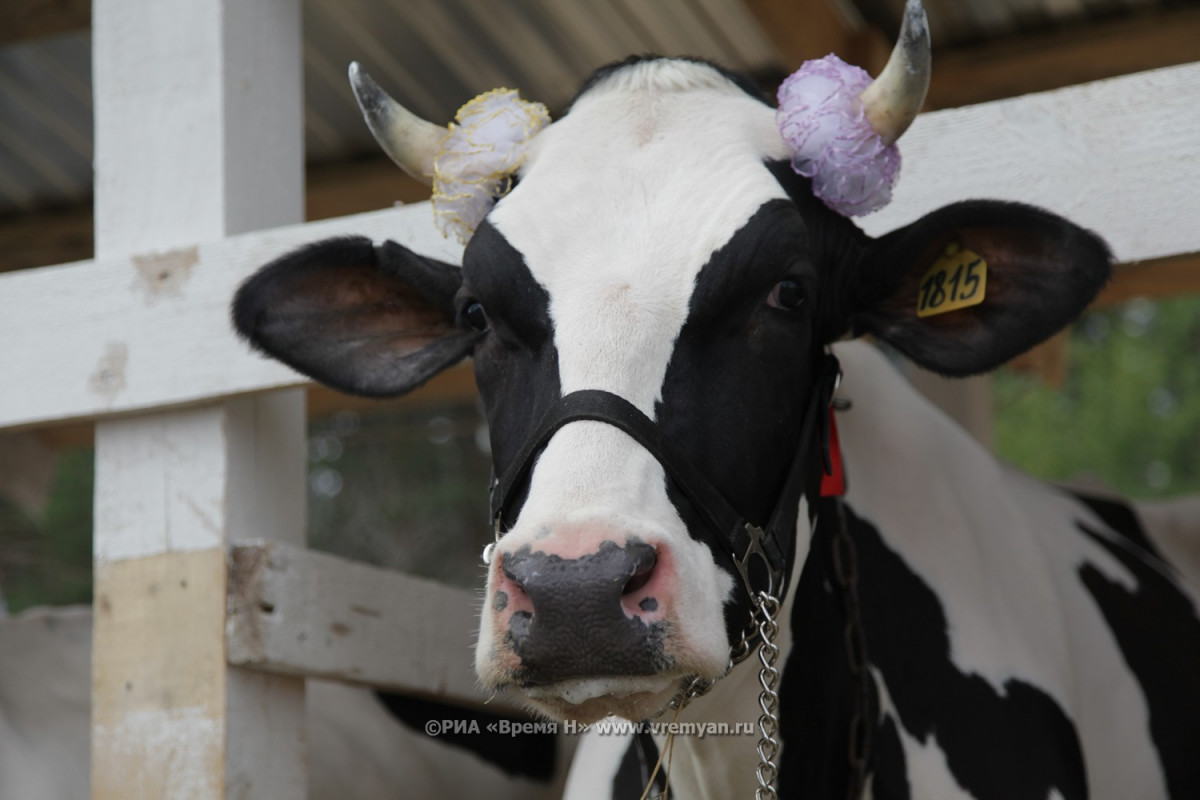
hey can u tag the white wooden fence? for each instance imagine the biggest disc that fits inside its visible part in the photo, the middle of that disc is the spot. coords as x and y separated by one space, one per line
209 612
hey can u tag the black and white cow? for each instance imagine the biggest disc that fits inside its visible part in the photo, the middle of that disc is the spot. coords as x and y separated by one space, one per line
1021 642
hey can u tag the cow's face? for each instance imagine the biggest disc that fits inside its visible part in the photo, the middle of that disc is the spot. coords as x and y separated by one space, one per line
615 265
658 247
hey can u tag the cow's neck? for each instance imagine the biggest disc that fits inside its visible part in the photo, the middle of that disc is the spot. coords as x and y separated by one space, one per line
815 693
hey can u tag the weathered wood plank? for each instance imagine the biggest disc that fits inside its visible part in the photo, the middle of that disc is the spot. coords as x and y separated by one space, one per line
1117 156
1039 62
30 19
130 333
298 612
1158 279
134 333
174 488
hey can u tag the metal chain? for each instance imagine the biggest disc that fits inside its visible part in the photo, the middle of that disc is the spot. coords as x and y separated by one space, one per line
767 607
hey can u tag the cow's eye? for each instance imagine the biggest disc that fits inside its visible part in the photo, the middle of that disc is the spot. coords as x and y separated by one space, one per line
788 295
474 316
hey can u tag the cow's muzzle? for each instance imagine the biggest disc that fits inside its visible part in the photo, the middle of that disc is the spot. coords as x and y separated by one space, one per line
586 616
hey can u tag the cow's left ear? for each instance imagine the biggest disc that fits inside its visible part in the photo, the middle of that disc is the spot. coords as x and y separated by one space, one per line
969 286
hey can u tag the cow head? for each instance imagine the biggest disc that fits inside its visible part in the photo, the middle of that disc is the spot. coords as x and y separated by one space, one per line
657 245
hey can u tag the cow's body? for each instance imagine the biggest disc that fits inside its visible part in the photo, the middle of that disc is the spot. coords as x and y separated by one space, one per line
996 628
357 751
659 255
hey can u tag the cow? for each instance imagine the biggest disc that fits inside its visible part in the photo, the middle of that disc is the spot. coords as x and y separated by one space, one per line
708 506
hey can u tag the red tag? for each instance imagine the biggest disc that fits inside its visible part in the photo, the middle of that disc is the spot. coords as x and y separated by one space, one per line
834 483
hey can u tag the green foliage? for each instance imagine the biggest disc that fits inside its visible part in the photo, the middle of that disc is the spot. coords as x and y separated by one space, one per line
46 555
405 490
1129 413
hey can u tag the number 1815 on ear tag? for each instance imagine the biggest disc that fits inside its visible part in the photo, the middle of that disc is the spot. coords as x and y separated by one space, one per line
958 279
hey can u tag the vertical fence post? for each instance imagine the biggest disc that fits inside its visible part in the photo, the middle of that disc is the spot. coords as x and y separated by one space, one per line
199 124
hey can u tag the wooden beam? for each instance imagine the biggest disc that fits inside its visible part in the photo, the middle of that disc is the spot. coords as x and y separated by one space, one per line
64 235
357 186
41 238
120 325
132 333
804 29
1116 156
1079 54
33 19
1154 278
298 612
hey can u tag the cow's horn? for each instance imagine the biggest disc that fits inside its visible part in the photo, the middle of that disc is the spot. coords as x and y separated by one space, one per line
409 140
894 99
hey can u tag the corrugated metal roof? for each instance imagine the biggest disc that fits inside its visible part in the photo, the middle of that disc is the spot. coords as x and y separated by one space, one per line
433 55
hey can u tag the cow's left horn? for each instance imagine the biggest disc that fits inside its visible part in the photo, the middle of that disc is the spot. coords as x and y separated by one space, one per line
892 102
409 140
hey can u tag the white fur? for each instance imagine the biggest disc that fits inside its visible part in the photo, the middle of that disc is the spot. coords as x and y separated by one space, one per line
621 204
1002 554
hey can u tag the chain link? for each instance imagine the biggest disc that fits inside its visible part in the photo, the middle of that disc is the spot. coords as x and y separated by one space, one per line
764 626
767 608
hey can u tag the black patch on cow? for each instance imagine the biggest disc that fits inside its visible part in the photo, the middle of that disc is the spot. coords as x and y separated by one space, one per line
578 627
998 746
737 383
604 73
1121 519
890 769
648 604
500 601
816 689
633 774
516 362
1158 632
530 755
1006 745
834 242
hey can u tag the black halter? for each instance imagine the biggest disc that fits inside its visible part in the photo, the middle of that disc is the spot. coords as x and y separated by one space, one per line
739 541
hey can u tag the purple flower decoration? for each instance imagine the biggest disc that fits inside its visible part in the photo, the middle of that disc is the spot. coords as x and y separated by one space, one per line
821 118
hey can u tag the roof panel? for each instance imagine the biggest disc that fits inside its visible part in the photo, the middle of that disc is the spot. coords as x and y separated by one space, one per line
433 55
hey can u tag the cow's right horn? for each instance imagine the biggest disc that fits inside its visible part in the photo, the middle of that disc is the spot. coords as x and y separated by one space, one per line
895 98
410 141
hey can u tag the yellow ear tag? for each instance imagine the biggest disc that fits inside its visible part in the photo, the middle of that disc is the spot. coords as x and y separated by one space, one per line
956 280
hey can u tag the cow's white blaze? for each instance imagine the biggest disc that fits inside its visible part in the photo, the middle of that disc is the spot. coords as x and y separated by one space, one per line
620 205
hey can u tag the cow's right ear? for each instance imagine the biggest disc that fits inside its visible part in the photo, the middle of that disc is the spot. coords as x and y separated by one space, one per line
971 285
369 320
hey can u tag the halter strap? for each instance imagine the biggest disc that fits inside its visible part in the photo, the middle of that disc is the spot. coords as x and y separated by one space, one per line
739 541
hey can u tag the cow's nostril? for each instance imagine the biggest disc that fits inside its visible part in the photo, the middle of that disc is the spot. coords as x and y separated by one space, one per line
640 578
643 560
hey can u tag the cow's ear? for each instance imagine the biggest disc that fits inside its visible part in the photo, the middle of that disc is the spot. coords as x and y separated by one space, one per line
969 286
365 319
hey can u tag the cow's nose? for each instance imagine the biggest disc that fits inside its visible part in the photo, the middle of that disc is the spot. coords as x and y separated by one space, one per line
589 614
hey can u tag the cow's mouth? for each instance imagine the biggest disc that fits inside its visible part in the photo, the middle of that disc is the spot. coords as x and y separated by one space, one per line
587 700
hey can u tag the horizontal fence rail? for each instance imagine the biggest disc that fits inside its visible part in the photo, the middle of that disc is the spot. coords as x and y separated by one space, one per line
297 612
101 338
96 339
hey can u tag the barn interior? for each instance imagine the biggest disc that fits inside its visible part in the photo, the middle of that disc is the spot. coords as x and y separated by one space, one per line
433 55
